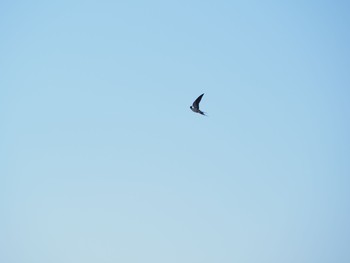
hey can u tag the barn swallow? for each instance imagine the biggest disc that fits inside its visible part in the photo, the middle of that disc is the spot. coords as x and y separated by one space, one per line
195 105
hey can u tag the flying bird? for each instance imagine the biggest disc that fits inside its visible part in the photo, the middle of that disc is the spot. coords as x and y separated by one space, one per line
195 105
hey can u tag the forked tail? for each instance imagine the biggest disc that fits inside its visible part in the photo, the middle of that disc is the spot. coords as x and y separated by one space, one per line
203 113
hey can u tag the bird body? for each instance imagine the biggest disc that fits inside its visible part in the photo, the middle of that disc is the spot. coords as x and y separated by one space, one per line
195 105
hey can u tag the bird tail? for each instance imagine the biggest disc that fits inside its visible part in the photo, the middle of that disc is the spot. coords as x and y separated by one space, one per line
203 113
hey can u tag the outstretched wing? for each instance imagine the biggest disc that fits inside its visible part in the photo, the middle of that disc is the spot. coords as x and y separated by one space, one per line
197 101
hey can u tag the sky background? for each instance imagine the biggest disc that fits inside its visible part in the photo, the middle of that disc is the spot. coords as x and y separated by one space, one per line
102 160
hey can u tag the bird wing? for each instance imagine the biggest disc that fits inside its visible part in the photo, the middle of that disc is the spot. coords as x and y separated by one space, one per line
197 101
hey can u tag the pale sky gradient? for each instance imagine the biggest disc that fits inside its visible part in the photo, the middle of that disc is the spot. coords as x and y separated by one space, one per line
102 160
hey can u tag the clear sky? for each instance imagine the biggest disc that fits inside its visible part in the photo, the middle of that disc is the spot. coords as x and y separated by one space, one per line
102 160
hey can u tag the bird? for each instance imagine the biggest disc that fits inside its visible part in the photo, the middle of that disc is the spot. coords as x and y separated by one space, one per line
195 105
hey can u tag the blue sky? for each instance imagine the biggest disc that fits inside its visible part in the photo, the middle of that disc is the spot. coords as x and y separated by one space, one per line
103 161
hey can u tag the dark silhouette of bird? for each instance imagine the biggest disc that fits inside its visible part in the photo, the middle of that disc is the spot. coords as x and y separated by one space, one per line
195 105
